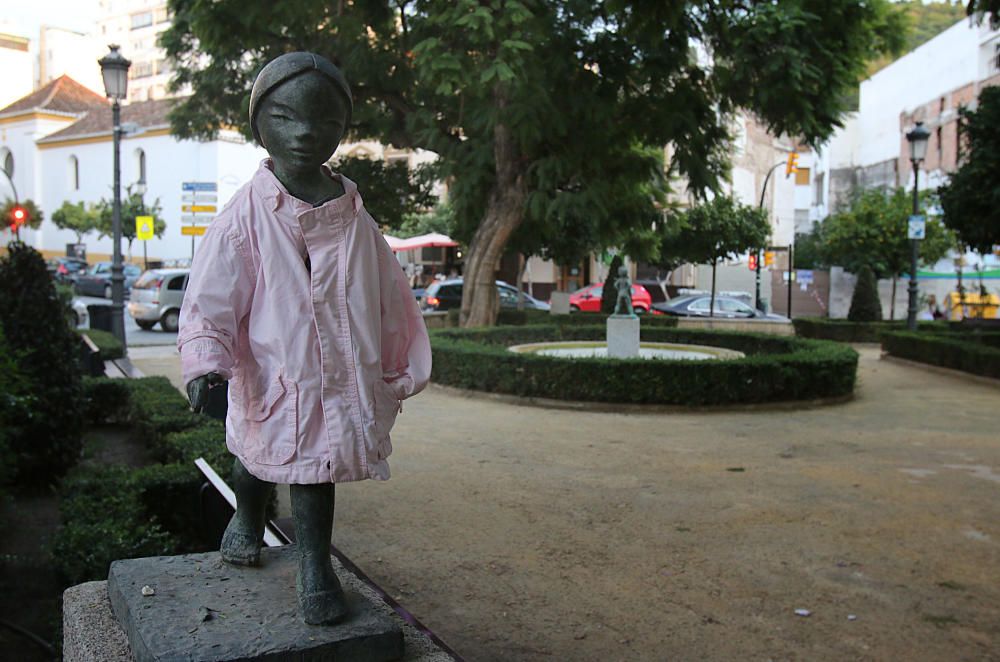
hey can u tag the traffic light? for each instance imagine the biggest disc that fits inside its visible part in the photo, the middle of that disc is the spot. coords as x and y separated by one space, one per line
752 263
793 163
768 258
18 217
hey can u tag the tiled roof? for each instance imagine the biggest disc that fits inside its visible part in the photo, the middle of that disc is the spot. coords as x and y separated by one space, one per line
62 95
146 114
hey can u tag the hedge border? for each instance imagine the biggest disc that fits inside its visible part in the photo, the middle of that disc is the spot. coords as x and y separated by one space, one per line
818 328
110 347
776 368
112 512
962 351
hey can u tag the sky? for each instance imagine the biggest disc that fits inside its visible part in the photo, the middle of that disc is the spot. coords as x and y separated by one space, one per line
26 16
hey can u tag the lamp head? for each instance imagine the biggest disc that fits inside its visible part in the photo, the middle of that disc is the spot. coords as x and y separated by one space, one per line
918 138
114 69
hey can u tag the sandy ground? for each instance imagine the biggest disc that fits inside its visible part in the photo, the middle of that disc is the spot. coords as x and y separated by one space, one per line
520 533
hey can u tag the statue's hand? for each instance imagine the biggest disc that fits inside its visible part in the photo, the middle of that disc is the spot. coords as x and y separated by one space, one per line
197 390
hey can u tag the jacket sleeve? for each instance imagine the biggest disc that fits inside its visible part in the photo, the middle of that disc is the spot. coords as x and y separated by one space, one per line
218 295
406 349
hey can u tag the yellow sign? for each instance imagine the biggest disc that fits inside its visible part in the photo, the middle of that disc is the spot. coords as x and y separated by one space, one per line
792 165
144 227
195 209
193 230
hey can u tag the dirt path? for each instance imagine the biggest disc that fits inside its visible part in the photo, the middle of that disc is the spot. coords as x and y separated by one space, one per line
520 533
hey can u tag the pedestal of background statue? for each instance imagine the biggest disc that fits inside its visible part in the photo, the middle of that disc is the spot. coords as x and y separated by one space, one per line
559 303
623 337
204 609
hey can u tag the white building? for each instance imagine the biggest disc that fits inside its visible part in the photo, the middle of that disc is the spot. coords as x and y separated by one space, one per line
16 65
63 52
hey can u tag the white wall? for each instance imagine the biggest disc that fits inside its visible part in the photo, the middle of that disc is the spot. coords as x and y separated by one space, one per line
17 69
944 63
71 53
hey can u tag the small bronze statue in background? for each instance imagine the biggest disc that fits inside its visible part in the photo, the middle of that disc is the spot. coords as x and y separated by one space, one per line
623 304
296 300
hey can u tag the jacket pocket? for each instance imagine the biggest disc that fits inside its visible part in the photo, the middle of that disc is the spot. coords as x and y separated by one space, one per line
272 424
386 409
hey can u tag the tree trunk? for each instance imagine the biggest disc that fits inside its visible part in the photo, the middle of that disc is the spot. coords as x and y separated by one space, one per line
892 303
521 264
504 213
711 306
663 283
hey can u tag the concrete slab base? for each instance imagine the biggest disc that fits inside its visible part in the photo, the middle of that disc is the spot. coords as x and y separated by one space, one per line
203 609
559 303
623 337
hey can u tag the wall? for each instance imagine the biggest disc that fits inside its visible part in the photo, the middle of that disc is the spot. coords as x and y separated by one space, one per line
16 65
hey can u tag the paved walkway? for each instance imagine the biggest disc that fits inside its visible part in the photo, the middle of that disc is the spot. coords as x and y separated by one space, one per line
520 533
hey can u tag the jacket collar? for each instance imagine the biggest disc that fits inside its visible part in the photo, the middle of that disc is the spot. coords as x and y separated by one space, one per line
274 193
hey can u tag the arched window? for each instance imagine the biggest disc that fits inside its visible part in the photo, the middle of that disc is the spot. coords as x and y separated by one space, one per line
140 162
74 172
8 162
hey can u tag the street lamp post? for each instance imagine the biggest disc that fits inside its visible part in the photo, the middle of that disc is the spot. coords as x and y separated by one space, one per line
917 137
114 69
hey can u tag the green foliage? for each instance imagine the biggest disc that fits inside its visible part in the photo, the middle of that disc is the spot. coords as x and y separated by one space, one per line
971 199
848 331
116 512
133 205
391 192
77 217
872 230
46 440
609 293
440 219
865 304
809 250
955 351
715 230
981 9
15 400
920 22
551 115
534 317
775 368
110 347
35 215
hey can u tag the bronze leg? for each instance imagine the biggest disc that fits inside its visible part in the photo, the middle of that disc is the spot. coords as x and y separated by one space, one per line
244 536
321 598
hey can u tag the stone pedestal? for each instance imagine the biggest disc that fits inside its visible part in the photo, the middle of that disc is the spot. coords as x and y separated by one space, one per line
559 303
203 609
623 337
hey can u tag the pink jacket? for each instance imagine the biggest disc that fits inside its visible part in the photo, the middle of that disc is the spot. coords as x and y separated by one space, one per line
318 358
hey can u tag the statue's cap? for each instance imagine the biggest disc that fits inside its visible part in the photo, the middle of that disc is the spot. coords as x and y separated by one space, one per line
290 65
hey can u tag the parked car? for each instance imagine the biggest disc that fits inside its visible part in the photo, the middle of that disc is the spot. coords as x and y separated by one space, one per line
66 269
97 280
156 298
588 299
447 294
80 317
697 305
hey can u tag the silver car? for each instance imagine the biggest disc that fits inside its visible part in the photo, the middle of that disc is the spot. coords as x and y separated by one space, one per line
157 297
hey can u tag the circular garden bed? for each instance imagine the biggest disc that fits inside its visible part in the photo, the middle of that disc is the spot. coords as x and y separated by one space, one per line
774 368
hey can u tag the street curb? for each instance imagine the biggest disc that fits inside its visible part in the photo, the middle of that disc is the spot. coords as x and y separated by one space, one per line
632 408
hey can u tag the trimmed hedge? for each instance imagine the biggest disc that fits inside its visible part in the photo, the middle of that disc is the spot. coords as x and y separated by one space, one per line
842 330
966 352
534 317
776 368
110 347
117 512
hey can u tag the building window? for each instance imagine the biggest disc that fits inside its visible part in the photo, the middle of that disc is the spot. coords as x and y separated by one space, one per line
140 163
161 15
74 173
141 70
819 187
996 60
802 176
8 163
142 20
940 148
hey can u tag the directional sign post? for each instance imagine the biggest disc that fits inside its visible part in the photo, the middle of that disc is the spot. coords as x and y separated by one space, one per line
144 232
916 227
198 204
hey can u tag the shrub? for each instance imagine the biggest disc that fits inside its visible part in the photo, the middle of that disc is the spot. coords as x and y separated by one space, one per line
609 294
525 317
865 305
157 409
106 400
47 441
848 331
959 351
104 519
776 368
110 347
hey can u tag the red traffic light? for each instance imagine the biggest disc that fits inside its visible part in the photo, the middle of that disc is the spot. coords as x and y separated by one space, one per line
752 263
18 216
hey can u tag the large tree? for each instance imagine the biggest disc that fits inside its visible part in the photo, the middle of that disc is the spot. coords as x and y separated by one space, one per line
391 191
872 232
536 106
971 199
133 204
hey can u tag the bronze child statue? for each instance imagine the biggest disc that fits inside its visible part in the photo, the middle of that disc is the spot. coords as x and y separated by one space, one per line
295 298
623 303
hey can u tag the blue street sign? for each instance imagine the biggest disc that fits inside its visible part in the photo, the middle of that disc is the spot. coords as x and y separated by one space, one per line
916 227
199 186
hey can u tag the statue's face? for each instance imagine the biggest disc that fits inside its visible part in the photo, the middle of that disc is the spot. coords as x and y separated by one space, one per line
302 121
